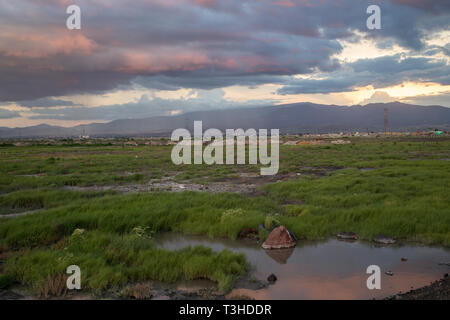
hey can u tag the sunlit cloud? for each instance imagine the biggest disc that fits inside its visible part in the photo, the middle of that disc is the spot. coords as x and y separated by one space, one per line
412 89
360 47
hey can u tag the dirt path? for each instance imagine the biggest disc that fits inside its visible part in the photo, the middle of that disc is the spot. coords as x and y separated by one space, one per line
244 184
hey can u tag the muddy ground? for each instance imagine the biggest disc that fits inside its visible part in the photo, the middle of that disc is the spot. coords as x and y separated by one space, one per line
438 290
159 291
244 183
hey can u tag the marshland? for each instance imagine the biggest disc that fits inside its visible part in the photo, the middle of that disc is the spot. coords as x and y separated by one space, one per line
105 205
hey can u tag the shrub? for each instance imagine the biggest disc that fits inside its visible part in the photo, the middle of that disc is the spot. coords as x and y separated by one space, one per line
271 221
53 286
5 281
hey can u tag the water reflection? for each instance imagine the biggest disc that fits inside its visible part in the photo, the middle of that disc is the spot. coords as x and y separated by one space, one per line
280 255
329 270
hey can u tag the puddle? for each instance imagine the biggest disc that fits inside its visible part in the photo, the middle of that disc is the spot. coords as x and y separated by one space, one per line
328 270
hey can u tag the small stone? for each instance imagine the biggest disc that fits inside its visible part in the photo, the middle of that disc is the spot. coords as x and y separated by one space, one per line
383 239
389 273
272 278
248 233
404 259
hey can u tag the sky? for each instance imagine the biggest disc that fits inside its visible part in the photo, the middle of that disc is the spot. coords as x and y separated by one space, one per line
144 58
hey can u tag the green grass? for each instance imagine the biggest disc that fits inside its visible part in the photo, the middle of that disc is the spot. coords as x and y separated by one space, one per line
27 200
187 212
111 261
405 202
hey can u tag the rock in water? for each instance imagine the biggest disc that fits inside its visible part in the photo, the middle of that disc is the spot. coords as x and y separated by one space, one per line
383 239
248 233
347 236
279 238
280 255
272 278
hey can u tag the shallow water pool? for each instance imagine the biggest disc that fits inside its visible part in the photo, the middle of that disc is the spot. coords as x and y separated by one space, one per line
330 269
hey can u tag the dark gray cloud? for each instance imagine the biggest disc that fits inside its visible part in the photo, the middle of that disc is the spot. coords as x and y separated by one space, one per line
146 107
318 86
47 102
388 65
198 80
19 84
378 72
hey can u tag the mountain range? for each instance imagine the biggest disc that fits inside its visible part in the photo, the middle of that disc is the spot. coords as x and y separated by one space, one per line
289 118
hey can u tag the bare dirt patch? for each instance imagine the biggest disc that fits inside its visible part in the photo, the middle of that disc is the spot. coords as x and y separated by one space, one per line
247 183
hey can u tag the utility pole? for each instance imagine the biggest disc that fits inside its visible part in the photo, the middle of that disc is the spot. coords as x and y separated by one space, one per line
386 120
187 124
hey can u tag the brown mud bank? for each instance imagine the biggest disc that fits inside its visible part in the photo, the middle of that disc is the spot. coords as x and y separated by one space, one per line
183 290
438 290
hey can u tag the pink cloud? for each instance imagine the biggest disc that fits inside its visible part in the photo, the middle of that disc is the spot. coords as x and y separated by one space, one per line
205 3
30 44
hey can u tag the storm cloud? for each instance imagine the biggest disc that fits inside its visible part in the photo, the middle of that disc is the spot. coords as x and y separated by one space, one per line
174 44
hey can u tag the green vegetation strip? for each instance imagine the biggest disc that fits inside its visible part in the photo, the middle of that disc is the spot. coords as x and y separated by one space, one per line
108 260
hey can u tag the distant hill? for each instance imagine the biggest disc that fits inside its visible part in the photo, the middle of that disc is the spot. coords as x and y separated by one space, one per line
289 118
